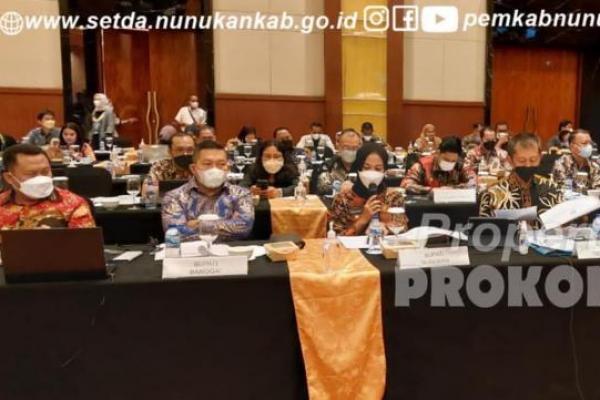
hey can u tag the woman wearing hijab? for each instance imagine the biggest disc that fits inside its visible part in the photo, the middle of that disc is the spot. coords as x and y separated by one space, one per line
274 174
103 120
352 211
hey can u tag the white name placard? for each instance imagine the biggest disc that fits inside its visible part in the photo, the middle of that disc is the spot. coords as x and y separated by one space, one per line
588 250
435 257
445 196
198 267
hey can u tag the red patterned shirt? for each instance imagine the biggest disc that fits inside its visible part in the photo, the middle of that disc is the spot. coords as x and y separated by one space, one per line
61 209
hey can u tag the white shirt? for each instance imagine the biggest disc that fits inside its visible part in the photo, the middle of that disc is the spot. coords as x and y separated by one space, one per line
323 139
186 116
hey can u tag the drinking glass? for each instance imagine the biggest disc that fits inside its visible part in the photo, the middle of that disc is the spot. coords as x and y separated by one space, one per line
397 221
208 229
108 142
240 163
133 188
321 152
247 150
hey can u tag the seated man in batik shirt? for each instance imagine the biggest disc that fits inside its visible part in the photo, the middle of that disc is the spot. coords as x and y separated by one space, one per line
569 165
31 201
523 187
348 144
488 151
435 171
208 192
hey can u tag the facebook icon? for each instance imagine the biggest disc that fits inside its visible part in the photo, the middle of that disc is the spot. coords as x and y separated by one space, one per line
405 18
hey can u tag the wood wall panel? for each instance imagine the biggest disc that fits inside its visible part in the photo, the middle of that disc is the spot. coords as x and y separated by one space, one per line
450 118
232 111
533 88
21 105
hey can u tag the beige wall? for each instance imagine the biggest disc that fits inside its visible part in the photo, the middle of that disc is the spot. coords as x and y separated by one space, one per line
269 62
32 58
446 66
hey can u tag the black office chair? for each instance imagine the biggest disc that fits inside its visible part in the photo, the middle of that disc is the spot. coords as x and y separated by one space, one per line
89 181
547 164
140 168
122 142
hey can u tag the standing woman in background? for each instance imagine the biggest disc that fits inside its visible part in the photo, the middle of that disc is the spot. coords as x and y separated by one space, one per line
103 120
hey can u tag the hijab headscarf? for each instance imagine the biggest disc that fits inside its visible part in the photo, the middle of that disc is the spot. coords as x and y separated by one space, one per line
105 103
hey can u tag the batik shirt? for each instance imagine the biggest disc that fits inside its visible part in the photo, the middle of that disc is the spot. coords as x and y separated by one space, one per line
165 170
513 193
427 174
496 159
325 180
62 209
233 205
566 166
348 206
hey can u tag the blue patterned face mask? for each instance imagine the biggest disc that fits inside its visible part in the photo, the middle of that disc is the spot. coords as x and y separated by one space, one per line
586 151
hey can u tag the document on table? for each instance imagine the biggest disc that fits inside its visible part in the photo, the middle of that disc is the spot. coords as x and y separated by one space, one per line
518 214
354 242
568 211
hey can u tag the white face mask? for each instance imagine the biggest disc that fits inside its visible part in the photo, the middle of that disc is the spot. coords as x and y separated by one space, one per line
348 156
586 151
38 187
447 166
194 105
97 103
316 136
273 166
370 177
212 178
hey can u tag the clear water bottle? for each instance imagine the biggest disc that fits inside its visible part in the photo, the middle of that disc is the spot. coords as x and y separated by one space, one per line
151 193
330 247
523 241
110 167
374 235
596 226
172 242
300 192
102 145
568 183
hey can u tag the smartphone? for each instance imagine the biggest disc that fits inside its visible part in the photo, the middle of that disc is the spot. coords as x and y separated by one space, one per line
262 184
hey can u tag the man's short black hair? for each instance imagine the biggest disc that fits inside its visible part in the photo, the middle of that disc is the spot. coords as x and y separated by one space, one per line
207 145
9 157
179 135
577 132
525 139
316 124
564 123
484 129
192 129
279 128
451 144
43 113
366 125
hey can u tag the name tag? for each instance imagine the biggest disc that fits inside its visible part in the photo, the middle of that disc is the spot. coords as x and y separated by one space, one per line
446 196
437 257
588 250
197 267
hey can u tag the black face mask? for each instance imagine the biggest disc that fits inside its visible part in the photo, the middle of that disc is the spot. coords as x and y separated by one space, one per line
489 145
526 173
183 161
286 145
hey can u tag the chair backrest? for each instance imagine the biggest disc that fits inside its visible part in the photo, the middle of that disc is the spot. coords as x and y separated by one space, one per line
89 181
140 168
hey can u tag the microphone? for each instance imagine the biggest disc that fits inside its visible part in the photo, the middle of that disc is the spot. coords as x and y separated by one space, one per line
372 189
